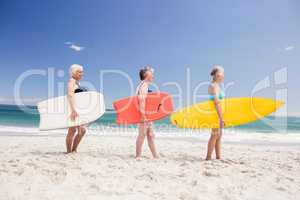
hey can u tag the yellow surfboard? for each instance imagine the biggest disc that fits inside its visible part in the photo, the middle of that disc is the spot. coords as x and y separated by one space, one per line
235 111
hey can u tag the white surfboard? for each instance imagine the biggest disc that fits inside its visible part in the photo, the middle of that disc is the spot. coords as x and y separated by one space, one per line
55 113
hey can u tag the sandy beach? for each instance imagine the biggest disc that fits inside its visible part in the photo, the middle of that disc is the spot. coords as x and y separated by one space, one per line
203 77
36 167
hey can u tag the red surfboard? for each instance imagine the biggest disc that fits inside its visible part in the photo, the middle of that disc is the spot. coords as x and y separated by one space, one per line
158 105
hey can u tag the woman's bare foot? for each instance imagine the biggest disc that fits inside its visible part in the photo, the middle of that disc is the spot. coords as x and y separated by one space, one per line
70 153
156 157
208 158
138 158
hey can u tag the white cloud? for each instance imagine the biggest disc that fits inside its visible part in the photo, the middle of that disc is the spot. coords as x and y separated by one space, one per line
289 48
73 46
76 47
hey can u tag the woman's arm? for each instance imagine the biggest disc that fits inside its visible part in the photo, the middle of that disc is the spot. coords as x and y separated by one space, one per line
70 96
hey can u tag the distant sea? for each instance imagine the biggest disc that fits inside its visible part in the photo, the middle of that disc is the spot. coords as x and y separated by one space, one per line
14 119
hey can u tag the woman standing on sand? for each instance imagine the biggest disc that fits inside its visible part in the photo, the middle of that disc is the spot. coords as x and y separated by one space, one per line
216 94
76 72
145 128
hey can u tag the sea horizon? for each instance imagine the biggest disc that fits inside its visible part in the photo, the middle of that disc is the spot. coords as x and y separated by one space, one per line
14 116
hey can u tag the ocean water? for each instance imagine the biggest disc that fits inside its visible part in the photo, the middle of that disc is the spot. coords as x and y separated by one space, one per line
14 118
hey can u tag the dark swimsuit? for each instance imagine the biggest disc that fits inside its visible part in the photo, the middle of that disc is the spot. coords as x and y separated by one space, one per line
80 89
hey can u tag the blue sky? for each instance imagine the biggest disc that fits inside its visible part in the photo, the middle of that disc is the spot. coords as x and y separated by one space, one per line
250 39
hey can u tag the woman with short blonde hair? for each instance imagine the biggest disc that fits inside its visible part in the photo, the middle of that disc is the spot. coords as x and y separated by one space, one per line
76 73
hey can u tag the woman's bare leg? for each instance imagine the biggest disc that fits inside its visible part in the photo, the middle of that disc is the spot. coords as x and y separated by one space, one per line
69 139
81 132
151 143
218 145
211 143
140 140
